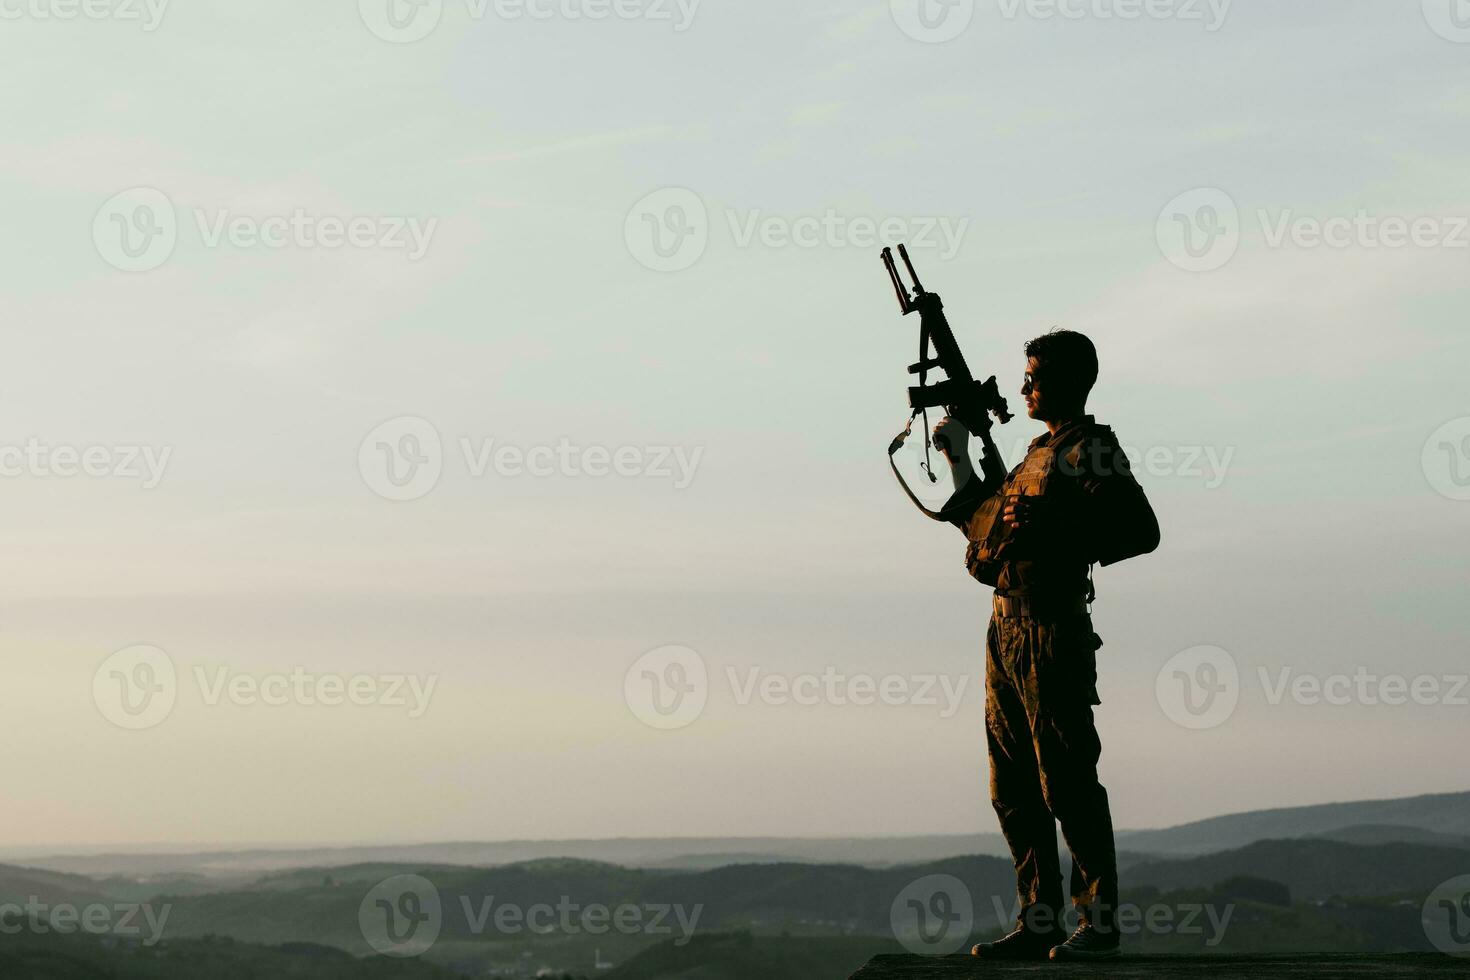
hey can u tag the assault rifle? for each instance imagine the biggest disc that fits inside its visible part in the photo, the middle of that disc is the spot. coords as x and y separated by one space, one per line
970 402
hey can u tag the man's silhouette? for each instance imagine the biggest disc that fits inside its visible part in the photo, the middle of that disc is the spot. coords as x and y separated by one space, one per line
1034 535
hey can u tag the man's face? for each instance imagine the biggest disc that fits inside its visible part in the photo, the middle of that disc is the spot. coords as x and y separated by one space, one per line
1032 390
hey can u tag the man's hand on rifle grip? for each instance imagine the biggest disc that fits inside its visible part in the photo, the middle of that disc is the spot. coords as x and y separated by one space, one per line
953 440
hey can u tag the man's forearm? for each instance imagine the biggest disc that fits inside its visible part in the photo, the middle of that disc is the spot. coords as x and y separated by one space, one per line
970 493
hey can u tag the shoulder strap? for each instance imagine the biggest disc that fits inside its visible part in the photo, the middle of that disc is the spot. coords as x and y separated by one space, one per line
893 448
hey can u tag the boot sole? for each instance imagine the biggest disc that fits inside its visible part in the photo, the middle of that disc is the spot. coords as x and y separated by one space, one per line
1080 956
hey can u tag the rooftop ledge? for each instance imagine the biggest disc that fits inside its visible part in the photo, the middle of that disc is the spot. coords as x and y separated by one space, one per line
1406 965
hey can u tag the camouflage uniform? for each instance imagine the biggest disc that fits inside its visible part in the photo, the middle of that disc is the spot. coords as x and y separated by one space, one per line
1041 667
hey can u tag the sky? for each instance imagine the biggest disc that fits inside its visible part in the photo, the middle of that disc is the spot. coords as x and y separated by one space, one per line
465 420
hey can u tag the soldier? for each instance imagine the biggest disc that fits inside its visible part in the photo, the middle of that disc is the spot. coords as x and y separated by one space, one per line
1034 535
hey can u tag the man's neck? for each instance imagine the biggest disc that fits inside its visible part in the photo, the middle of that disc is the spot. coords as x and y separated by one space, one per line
1054 426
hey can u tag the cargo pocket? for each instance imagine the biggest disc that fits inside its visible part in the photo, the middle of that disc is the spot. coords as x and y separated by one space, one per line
1070 655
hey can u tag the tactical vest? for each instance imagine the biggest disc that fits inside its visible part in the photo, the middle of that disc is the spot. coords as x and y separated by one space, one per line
992 542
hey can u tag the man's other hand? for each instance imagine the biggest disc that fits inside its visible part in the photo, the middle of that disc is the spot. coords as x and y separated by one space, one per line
1019 511
952 438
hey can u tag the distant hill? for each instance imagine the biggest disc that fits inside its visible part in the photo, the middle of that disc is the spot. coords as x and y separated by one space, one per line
1310 893
1314 868
78 956
669 852
1394 833
19 884
1443 813
836 898
800 899
1441 818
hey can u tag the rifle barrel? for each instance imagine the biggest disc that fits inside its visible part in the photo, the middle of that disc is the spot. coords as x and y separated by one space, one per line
904 303
903 250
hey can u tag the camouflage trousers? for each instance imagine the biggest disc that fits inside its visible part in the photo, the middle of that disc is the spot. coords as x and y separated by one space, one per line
1040 687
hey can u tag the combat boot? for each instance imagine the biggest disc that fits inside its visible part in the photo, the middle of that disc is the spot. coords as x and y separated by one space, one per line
1087 943
1023 944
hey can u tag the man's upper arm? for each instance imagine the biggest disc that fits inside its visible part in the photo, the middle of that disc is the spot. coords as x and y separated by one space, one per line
1119 522
967 499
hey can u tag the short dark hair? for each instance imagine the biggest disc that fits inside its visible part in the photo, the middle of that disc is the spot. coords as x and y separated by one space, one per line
1069 355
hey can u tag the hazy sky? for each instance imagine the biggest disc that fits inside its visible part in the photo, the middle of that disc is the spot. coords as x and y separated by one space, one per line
256 253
